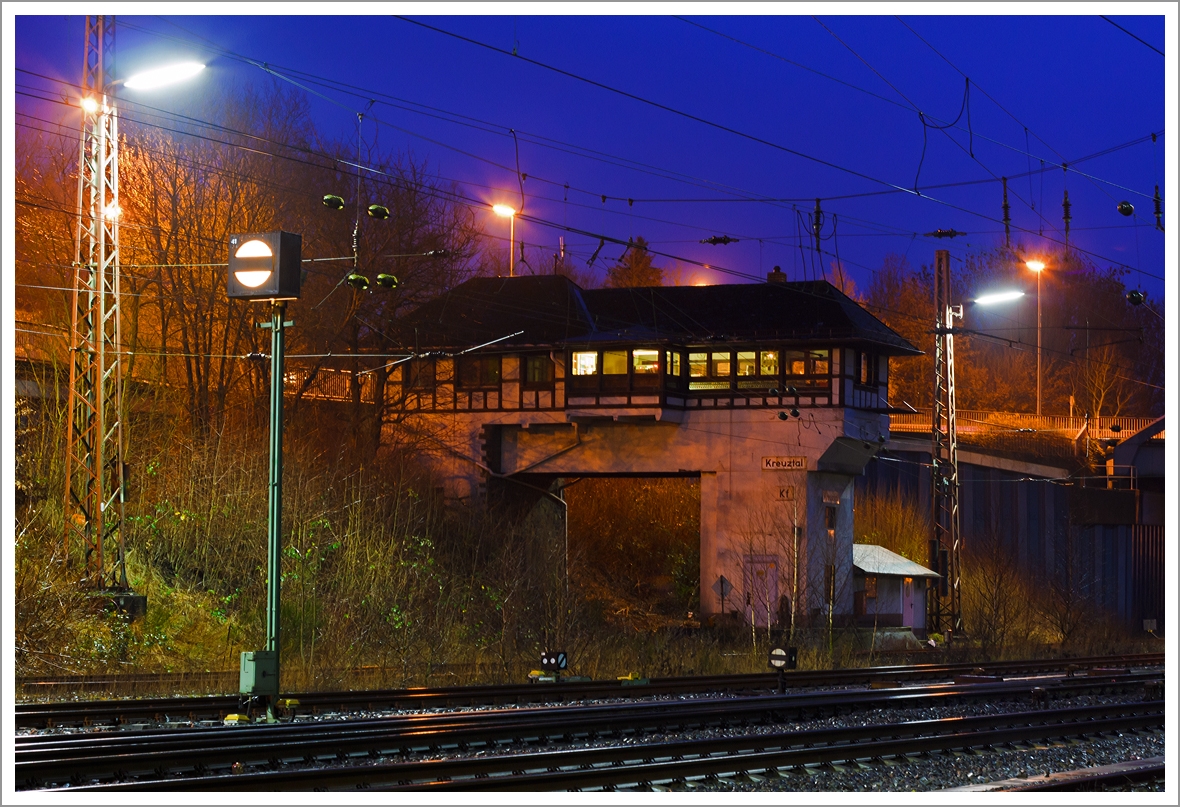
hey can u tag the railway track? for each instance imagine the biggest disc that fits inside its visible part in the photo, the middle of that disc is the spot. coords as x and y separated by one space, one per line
1125 776
178 710
293 754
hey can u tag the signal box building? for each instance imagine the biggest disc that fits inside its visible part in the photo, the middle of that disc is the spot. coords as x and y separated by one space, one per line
772 394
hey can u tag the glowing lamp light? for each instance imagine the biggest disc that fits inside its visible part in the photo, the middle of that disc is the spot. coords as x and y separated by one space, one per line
504 211
162 76
90 105
253 278
1036 266
111 211
265 266
999 297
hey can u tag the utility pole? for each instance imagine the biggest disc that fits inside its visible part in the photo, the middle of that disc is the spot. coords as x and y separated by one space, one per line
943 602
95 472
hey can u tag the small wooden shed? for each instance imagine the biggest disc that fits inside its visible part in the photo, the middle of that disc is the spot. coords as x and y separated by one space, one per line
889 591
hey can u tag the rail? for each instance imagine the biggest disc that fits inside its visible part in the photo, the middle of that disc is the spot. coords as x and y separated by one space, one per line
219 759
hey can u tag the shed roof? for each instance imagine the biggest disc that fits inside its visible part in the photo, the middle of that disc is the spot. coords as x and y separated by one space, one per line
873 559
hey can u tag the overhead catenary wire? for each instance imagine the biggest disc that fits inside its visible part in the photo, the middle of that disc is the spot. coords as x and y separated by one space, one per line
480 204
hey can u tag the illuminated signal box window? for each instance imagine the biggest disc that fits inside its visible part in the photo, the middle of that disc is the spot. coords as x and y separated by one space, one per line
645 361
614 370
645 368
747 363
583 371
584 363
807 368
673 369
710 371
757 369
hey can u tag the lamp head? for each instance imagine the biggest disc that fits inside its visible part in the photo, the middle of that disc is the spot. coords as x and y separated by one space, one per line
333 201
504 211
999 297
162 76
380 212
1035 265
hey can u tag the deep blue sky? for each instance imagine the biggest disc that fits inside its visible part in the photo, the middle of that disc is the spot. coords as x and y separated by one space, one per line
1079 84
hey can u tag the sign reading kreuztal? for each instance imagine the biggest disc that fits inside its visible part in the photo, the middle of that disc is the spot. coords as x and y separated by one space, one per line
784 463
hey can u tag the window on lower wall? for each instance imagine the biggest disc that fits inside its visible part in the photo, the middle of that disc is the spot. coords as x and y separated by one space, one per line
419 374
538 371
870 586
477 372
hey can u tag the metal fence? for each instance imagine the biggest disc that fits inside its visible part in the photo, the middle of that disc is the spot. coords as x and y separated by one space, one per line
1019 423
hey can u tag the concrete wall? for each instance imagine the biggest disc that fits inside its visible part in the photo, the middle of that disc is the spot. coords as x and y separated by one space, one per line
758 472
758 478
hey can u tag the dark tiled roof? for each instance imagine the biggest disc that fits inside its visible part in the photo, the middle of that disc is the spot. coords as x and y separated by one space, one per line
802 311
551 310
547 308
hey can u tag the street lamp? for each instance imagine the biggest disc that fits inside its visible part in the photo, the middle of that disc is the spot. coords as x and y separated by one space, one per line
509 213
95 471
1038 267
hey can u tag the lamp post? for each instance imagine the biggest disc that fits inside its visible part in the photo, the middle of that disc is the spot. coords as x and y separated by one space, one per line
509 213
266 267
944 601
1038 267
95 471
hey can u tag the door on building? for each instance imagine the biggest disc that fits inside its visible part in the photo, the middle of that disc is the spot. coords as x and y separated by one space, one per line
907 602
761 579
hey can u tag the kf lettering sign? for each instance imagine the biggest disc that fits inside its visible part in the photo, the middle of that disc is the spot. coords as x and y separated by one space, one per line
783 493
784 463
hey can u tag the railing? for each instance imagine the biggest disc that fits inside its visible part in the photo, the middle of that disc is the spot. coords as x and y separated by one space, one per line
976 421
328 384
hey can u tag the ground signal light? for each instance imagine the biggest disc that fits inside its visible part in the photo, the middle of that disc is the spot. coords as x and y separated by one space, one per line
553 661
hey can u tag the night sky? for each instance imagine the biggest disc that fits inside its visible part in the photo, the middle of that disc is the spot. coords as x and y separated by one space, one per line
714 125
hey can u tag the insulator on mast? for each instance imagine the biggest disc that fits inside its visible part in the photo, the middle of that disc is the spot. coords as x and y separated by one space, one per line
1007 218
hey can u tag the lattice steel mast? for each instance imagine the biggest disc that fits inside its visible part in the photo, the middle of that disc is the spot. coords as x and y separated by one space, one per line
94 470
943 602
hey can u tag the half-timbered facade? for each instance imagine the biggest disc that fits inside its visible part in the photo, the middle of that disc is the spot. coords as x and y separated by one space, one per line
773 394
